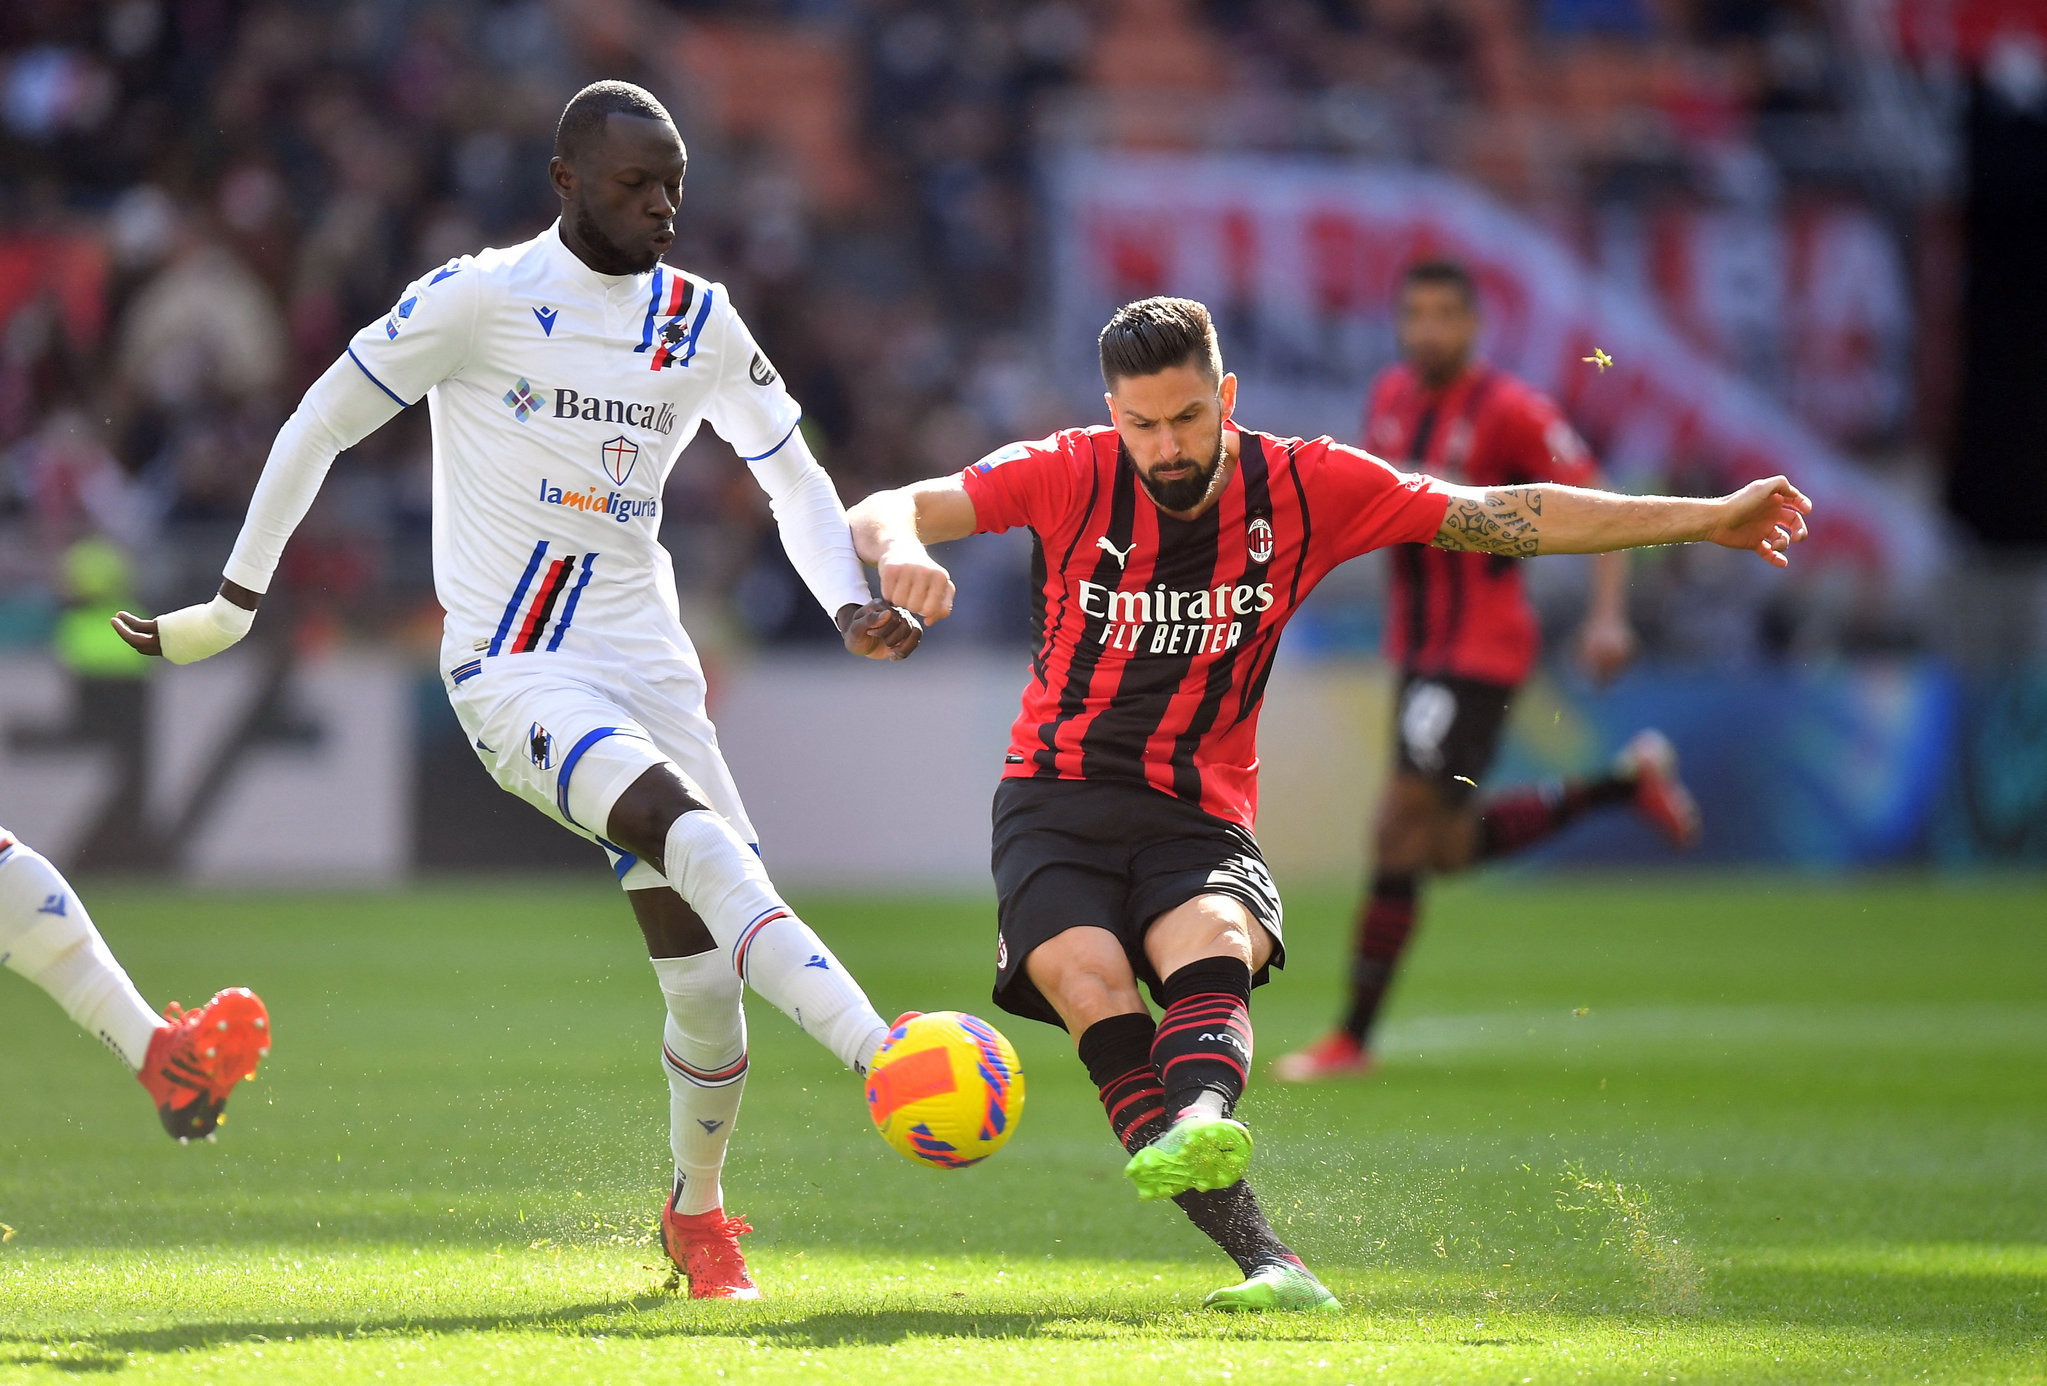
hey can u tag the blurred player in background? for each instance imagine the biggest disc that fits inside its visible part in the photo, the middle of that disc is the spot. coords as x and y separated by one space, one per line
1171 549
189 1061
1464 637
565 375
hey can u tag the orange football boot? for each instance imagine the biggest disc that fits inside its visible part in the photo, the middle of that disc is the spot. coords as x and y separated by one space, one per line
705 1250
196 1058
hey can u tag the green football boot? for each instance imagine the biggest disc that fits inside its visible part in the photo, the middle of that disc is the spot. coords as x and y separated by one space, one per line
1282 1286
1197 1152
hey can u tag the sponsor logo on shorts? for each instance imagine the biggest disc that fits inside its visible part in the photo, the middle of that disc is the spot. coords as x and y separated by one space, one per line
540 746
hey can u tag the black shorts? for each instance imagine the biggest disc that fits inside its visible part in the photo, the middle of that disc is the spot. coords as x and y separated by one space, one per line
1072 853
1445 728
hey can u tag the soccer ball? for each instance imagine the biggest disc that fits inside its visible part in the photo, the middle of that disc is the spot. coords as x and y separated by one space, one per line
945 1089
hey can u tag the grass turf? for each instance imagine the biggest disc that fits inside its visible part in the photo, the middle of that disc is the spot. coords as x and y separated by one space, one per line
1694 1131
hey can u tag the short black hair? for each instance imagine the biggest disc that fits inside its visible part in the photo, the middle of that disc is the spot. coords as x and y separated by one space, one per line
583 118
1445 272
1156 334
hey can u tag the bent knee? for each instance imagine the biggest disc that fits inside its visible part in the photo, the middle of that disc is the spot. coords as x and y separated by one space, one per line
1085 975
639 818
1209 926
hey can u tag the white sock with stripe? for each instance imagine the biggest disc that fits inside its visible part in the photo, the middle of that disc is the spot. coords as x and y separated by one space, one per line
772 950
46 936
703 1050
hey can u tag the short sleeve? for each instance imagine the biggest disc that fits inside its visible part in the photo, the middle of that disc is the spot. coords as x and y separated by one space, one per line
1541 445
1357 503
1022 484
425 337
752 408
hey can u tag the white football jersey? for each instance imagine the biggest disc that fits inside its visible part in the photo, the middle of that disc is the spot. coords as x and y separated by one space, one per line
560 400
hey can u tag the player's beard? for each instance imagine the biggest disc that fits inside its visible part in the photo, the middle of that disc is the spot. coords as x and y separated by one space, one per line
617 259
1189 491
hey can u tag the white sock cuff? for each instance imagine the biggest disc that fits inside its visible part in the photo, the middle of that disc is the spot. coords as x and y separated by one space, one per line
705 1065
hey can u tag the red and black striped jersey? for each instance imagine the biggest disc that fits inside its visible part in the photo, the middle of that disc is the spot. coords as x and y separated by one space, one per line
1154 636
1464 614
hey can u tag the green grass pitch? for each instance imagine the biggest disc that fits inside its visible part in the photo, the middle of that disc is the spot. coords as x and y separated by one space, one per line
1687 1129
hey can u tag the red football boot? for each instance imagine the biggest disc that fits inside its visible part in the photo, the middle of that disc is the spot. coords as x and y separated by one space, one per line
1335 1056
1660 796
195 1059
705 1250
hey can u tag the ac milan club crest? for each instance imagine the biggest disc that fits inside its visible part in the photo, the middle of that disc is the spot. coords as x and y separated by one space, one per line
1258 535
619 456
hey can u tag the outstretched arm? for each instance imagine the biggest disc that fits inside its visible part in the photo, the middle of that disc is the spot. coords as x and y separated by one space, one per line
343 407
813 527
890 530
1765 517
425 339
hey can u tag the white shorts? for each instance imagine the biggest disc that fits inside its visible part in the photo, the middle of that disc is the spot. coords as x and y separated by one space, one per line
570 737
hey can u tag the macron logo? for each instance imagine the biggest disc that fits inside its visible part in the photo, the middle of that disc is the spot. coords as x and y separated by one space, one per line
547 317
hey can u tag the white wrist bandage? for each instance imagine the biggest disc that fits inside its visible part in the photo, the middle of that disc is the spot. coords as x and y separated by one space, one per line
195 632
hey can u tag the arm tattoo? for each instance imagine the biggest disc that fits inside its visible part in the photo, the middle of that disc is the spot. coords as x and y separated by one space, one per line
1506 521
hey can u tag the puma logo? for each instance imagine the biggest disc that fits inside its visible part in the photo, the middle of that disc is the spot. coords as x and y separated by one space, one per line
1122 556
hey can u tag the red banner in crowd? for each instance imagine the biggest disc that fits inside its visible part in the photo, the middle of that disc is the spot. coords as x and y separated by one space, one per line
1298 259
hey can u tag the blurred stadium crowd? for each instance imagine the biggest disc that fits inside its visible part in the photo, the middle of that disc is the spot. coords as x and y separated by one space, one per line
205 198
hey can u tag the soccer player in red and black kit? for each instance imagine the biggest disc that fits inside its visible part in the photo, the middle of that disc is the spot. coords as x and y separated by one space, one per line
1171 548
1461 632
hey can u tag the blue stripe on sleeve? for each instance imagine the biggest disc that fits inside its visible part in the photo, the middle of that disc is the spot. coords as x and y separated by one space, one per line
373 378
779 446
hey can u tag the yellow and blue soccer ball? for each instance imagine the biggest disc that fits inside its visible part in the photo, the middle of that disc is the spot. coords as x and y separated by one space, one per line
945 1089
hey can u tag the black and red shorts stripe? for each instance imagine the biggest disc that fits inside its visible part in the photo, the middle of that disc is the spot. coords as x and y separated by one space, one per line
1111 855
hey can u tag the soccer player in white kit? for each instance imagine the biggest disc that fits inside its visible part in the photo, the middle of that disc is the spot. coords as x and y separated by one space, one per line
564 376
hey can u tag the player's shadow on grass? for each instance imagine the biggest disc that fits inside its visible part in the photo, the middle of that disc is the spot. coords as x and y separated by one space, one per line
651 1315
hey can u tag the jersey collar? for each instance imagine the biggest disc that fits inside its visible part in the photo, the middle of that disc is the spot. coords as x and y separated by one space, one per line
563 261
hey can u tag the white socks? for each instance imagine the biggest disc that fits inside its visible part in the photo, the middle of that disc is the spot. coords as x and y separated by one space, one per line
703 1049
46 936
762 940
